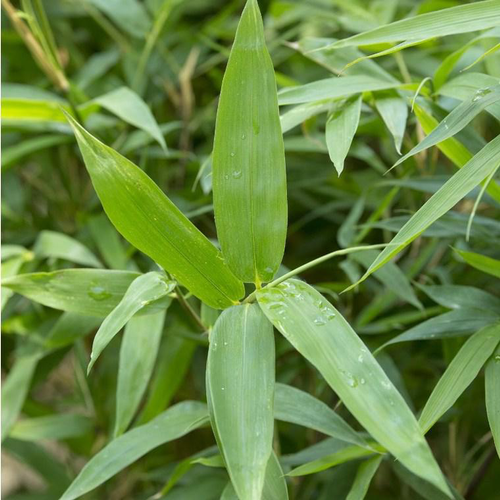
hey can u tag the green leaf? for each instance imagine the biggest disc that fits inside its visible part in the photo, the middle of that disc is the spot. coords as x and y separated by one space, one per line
140 344
492 388
460 373
482 262
339 457
240 391
152 223
298 407
458 119
127 105
341 126
462 182
332 88
394 112
303 112
460 19
126 449
61 426
319 332
50 244
142 291
366 471
10 268
249 175
92 292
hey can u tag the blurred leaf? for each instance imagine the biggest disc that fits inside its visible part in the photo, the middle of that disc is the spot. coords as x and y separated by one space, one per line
366 471
126 449
138 352
141 212
63 426
306 319
142 291
298 407
460 373
240 392
249 176
481 262
127 105
92 292
341 127
492 388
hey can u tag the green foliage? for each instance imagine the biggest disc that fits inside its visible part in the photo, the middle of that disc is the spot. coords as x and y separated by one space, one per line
244 371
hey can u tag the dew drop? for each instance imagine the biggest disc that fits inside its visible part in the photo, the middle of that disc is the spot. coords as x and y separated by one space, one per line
98 293
232 154
222 388
236 174
243 137
362 381
226 177
360 358
497 358
319 321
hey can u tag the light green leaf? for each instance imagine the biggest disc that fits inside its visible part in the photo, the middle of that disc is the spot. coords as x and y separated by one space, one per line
459 118
138 352
482 262
127 105
319 332
298 407
92 292
492 388
462 182
303 112
341 126
460 19
339 457
332 88
394 112
460 373
10 268
142 291
126 449
152 223
50 244
63 426
240 392
249 176
366 471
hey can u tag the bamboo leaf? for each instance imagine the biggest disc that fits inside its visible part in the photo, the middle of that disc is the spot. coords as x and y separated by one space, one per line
153 224
63 426
462 182
318 331
298 407
240 388
142 291
139 348
459 19
492 388
460 374
249 176
127 105
366 471
482 262
92 292
126 449
394 112
341 127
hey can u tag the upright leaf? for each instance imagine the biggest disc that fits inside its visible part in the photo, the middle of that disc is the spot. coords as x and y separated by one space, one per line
126 449
341 126
460 374
138 352
492 388
142 291
249 177
152 223
240 392
318 331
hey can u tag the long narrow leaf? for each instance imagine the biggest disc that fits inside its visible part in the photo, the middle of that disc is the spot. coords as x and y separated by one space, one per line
492 388
363 478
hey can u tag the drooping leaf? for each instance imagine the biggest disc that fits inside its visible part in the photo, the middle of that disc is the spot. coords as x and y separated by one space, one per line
127 105
341 126
152 223
318 331
142 291
394 112
126 449
299 407
482 262
92 292
460 374
366 471
492 389
240 392
138 352
249 176
463 181
60 246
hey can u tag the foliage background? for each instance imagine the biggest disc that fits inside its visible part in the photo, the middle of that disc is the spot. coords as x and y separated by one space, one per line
46 188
